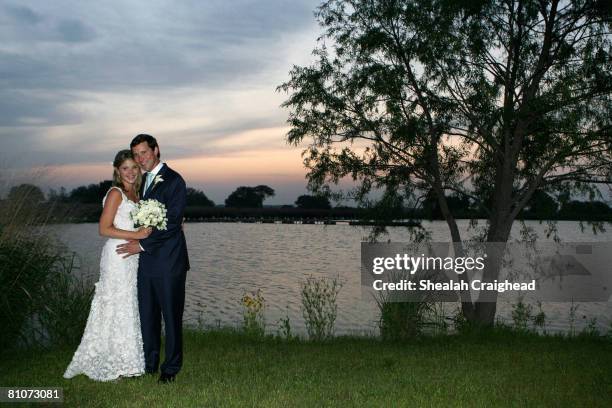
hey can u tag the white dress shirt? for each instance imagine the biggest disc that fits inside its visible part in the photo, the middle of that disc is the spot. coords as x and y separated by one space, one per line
152 174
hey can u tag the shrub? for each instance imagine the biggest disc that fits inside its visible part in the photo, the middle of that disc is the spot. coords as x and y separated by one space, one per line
41 302
66 303
25 266
522 314
404 316
253 304
401 320
284 328
319 306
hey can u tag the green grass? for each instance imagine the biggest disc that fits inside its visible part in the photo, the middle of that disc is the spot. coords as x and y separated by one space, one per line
225 369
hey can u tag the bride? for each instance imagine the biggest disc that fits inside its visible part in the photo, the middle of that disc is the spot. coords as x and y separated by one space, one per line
111 346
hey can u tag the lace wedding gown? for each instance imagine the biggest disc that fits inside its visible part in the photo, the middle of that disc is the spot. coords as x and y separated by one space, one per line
111 345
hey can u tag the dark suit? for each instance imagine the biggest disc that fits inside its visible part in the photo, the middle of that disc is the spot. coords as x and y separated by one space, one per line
162 270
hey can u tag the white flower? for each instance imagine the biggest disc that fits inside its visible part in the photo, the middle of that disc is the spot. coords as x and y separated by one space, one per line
157 179
150 213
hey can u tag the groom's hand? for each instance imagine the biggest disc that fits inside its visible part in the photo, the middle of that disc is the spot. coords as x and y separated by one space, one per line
132 247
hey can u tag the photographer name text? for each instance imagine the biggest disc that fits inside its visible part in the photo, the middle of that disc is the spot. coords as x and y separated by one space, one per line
429 285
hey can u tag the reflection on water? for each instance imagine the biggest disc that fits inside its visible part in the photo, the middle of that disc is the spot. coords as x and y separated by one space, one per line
230 258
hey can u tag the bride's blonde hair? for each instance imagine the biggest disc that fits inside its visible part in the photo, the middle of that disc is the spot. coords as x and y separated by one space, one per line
121 157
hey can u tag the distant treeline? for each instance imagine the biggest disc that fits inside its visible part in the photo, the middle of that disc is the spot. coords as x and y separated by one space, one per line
542 206
242 197
94 193
83 204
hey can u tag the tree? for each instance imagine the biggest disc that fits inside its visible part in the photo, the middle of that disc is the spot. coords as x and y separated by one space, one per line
581 209
542 205
58 196
197 197
488 100
313 202
91 194
249 197
458 204
26 193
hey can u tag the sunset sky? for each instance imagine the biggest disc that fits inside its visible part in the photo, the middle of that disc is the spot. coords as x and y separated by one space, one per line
79 79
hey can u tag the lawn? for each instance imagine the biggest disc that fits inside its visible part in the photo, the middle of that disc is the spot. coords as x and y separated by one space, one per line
226 369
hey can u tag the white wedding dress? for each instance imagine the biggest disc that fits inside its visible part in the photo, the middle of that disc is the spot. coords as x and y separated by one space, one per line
111 346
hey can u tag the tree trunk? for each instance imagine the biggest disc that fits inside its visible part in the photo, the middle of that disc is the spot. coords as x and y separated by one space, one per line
486 306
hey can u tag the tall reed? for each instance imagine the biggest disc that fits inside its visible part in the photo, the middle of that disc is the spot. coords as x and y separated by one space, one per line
41 301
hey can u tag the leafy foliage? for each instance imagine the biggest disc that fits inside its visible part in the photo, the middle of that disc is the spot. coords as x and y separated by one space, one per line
319 306
249 197
197 197
41 302
542 205
90 194
26 192
24 269
487 101
310 201
253 307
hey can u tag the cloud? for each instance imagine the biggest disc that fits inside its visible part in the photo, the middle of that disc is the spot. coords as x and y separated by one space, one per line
18 108
23 14
75 31
22 72
213 44
79 79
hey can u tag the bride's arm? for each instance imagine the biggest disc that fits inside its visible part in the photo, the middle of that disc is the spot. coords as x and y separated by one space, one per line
106 227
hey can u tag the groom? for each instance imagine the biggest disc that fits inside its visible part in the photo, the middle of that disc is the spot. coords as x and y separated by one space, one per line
163 262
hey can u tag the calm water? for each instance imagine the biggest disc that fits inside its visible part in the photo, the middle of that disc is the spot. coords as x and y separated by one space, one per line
228 259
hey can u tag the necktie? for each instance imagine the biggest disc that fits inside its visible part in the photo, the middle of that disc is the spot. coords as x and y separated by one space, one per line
147 181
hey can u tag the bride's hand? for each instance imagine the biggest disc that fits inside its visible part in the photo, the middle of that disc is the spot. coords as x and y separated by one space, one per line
143 232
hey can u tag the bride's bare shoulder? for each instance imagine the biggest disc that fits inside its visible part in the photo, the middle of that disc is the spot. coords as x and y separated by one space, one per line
113 196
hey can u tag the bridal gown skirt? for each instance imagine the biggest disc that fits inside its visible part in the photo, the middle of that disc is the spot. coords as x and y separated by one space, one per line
111 345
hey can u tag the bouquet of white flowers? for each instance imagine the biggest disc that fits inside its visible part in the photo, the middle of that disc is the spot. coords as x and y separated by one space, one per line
150 213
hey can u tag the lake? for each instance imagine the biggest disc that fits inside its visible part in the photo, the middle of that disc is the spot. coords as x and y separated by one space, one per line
228 259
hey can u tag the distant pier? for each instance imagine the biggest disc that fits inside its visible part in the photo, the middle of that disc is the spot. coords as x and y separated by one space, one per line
302 221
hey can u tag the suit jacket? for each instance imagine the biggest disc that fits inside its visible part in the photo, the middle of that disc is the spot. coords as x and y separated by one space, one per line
165 252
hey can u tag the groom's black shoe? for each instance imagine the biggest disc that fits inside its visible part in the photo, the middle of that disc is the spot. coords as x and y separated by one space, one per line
166 378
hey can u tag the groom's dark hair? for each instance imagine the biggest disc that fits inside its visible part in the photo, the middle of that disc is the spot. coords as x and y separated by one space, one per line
146 138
